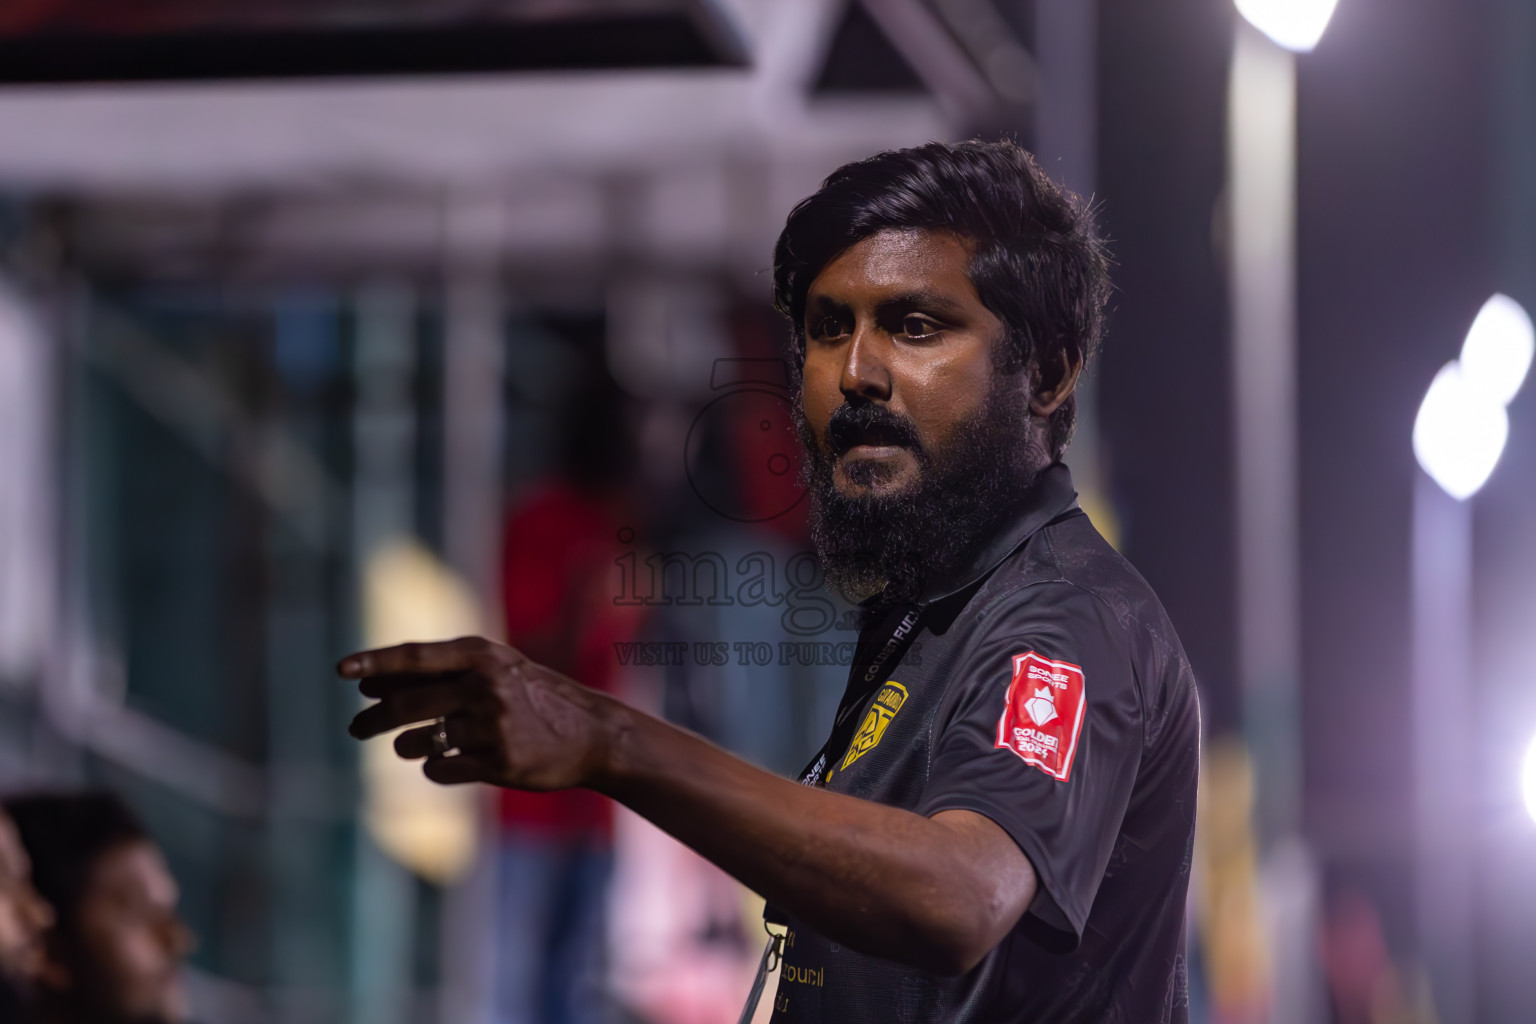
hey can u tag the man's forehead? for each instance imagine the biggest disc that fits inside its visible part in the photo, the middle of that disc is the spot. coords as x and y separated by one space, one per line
136 869
899 261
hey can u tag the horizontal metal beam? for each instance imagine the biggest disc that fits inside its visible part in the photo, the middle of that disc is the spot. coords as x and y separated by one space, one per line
240 40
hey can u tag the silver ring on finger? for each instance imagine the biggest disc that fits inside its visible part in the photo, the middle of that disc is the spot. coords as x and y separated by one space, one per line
440 742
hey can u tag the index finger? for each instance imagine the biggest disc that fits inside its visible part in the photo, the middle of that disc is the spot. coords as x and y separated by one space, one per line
415 658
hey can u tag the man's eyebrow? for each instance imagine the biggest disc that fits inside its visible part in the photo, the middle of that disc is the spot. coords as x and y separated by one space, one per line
818 299
924 299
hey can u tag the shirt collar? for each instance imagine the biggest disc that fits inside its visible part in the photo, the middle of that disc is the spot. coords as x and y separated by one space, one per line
1051 495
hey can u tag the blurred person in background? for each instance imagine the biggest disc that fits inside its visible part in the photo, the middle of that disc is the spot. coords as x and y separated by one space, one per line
1001 829
1365 984
556 849
24 921
115 951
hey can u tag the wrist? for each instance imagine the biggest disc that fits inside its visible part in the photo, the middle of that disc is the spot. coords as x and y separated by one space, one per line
617 724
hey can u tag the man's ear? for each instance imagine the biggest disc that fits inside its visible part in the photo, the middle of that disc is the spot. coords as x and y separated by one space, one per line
1054 385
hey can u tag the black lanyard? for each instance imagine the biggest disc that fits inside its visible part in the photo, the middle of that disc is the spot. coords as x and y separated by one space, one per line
899 627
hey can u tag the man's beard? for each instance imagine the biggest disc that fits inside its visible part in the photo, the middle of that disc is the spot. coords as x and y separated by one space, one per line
897 545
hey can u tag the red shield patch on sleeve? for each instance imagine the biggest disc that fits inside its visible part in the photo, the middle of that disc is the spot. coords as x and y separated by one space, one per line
1043 715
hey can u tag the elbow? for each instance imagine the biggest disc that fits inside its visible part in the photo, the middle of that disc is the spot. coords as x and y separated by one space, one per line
956 945
955 913
954 961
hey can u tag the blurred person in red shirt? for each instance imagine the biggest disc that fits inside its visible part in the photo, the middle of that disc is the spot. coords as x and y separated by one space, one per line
556 849
115 952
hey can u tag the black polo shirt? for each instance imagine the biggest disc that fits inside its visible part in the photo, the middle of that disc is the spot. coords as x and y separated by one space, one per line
1046 690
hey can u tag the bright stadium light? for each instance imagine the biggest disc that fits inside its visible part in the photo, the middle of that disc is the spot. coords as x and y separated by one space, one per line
1497 353
1294 24
1459 433
1458 438
1528 779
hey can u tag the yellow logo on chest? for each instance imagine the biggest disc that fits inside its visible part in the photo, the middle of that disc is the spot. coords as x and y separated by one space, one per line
887 702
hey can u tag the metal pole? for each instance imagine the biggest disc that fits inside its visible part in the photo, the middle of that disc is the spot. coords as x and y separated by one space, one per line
1261 194
384 895
1444 760
1066 143
474 370
1262 197
474 409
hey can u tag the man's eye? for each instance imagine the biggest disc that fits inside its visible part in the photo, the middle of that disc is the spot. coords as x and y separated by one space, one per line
919 327
827 327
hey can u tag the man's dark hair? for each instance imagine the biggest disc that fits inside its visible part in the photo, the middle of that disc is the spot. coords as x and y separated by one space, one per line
65 835
1037 262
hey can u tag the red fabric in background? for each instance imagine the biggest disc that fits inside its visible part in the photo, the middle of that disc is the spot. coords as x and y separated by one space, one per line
557 566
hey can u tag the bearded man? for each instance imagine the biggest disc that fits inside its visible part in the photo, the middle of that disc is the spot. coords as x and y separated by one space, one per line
115 951
1001 830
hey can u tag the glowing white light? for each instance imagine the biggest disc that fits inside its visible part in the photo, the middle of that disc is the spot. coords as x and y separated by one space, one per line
1459 433
1528 779
1497 353
1294 24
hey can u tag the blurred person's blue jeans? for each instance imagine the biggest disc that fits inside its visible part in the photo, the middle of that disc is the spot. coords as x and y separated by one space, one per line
552 914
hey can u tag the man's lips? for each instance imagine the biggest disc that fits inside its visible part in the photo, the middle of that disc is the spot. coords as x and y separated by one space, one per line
871 442
868 426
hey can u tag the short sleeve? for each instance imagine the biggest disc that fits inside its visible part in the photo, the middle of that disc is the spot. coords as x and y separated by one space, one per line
1041 731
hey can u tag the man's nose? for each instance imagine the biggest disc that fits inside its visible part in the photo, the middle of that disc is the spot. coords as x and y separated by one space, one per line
179 939
866 371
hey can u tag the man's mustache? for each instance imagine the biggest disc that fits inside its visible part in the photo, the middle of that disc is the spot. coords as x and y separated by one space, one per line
869 423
